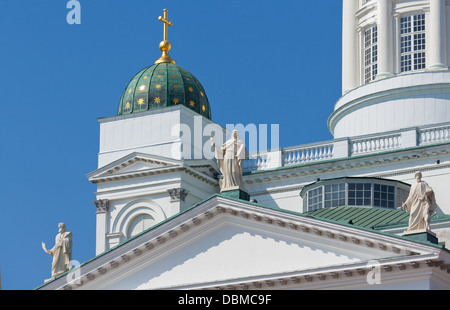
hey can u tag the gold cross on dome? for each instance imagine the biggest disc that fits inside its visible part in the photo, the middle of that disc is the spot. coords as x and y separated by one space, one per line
166 22
165 46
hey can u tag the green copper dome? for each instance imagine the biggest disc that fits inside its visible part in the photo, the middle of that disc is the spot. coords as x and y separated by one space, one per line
163 85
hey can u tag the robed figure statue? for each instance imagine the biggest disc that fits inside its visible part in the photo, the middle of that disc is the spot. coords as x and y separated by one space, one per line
61 252
420 203
230 159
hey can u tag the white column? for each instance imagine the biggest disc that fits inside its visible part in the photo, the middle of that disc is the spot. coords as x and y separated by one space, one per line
385 40
436 33
101 225
349 46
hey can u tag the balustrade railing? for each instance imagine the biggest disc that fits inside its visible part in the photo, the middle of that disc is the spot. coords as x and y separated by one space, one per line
434 135
307 153
256 162
375 144
316 152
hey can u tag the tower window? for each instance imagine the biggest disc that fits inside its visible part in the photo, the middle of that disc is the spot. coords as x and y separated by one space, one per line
412 43
370 54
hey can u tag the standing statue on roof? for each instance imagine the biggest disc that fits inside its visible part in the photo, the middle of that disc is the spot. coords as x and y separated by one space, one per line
420 203
61 252
230 159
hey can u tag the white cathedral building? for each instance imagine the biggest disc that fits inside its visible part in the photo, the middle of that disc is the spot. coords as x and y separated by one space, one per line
326 215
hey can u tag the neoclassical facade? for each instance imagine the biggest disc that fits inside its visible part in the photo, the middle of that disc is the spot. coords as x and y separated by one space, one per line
320 215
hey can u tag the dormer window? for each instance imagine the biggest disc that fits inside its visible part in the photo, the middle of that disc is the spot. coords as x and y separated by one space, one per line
354 192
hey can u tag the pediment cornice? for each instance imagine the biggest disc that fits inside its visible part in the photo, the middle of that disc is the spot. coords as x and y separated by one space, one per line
153 165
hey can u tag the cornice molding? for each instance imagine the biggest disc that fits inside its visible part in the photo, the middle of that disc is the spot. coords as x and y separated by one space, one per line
108 176
355 273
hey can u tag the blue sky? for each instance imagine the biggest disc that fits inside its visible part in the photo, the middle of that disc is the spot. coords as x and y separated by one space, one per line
260 61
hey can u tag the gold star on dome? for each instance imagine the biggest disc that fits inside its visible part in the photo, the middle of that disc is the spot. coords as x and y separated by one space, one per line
141 101
174 76
129 91
127 106
176 100
157 100
191 89
192 103
145 77
158 86
203 108
175 86
187 79
201 94
159 76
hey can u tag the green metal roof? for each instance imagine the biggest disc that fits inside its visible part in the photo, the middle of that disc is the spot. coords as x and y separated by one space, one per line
163 85
373 218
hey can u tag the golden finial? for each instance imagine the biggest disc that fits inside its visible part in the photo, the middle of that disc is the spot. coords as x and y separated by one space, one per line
165 46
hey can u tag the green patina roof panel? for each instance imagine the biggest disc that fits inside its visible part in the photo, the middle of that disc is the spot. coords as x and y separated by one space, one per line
374 218
362 217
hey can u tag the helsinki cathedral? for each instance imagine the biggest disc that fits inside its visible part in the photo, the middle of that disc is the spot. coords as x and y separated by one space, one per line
368 209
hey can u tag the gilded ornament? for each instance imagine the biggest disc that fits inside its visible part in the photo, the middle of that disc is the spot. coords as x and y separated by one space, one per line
165 45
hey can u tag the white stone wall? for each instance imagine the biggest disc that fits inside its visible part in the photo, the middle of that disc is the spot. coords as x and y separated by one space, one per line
156 132
392 104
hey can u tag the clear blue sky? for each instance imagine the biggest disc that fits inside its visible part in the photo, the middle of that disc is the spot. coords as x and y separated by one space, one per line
271 62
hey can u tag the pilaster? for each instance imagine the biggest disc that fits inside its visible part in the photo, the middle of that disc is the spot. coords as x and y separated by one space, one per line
102 206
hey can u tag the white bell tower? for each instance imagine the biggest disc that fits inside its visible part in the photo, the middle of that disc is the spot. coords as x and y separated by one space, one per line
153 160
395 60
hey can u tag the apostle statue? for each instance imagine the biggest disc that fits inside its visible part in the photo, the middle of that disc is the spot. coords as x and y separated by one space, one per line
61 252
420 203
230 159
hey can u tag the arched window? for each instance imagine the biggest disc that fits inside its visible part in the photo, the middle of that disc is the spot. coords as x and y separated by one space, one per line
139 224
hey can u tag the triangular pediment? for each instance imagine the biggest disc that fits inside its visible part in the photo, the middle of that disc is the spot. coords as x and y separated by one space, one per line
140 164
134 162
223 240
